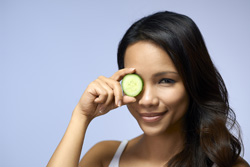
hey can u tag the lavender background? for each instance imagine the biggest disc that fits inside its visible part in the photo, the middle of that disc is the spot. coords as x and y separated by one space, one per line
51 50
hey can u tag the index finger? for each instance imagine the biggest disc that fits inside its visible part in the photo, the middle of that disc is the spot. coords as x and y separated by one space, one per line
121 73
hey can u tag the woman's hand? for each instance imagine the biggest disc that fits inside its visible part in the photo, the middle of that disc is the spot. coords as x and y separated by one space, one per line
103 95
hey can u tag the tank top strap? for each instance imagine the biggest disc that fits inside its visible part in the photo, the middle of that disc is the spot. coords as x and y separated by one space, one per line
116 158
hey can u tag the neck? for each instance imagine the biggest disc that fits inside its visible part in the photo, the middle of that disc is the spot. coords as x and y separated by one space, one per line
161 147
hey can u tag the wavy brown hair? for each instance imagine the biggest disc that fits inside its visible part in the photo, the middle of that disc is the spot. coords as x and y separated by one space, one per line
209 120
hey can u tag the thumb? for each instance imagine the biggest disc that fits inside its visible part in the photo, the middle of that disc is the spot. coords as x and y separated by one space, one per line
128 99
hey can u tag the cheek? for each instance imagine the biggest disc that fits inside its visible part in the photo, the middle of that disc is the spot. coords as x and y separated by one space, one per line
133 109
176 99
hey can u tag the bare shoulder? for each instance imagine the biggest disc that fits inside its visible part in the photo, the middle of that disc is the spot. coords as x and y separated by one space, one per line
100 154
241 163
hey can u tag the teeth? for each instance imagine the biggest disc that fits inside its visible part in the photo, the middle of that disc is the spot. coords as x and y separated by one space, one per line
152 114
151 117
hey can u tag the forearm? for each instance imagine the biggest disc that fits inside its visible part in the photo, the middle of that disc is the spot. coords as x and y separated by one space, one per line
101 96
69 149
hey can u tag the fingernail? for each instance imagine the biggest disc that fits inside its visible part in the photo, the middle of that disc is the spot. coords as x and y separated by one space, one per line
132 69
119 104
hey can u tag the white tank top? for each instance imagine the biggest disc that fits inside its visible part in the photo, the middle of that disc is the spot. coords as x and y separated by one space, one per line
116 158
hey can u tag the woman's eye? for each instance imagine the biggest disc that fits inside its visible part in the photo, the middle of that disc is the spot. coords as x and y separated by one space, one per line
166 81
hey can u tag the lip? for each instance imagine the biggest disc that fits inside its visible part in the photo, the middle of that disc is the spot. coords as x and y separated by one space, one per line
152 117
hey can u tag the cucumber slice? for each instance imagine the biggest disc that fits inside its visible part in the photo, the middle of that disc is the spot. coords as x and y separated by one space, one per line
132 85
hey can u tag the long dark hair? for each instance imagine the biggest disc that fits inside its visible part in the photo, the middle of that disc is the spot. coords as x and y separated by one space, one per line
209 120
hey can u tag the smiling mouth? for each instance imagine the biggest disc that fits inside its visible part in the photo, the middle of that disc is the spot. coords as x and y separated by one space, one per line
152 117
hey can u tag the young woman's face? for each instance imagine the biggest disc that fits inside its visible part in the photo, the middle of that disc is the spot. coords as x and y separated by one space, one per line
161 106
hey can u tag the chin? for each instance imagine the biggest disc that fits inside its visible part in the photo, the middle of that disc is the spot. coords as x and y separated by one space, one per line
153 130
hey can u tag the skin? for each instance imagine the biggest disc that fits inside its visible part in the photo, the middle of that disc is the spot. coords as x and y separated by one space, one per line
101 96
163 93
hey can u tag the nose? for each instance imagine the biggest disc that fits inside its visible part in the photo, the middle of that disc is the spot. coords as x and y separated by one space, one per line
148 97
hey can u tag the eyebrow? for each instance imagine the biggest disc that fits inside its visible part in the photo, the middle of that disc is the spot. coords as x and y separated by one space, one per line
165 72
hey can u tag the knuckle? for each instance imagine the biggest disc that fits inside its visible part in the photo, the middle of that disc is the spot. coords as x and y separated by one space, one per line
104 93
101 77
117 86
111 93
93 83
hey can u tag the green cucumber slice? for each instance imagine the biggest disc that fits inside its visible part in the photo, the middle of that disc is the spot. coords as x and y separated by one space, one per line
132 85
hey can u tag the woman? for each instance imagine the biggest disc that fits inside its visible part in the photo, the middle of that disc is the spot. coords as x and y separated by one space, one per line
183 109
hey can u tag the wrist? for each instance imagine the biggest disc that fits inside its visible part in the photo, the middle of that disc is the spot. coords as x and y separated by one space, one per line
79 116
